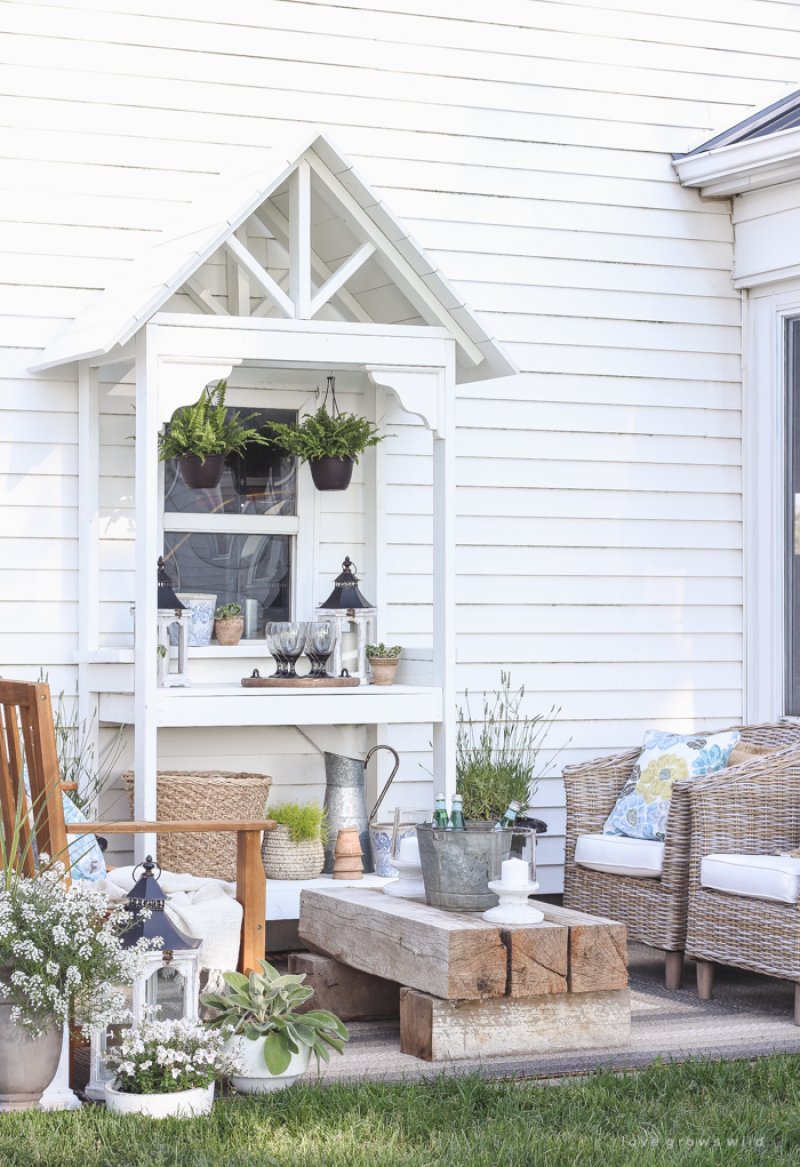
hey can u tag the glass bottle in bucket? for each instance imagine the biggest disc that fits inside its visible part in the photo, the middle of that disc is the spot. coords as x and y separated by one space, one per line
440 816
509 816
457 814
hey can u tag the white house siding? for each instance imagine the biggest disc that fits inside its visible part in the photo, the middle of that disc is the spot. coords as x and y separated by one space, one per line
527 144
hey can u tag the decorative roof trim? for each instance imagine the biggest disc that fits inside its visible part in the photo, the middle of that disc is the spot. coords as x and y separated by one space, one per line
201 228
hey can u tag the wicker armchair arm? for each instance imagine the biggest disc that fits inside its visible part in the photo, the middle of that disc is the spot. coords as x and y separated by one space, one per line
753 808
591 789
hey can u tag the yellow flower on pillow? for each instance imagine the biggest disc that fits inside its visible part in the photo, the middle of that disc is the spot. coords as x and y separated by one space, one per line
655 782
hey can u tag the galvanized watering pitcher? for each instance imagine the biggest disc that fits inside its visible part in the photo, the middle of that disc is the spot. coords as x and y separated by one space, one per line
346 801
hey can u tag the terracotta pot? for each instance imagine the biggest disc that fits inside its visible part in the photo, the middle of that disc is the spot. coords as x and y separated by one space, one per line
383 669
27 1064
229 631
331 473
179 1104
200 475
347 862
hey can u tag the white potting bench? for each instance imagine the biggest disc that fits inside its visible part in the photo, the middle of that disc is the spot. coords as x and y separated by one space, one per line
417 349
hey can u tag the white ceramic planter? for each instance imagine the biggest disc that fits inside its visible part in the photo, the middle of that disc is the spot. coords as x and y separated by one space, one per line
254 1077
181 1104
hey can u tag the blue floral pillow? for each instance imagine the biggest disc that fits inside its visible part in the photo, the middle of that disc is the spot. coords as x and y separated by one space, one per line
643 805
86 859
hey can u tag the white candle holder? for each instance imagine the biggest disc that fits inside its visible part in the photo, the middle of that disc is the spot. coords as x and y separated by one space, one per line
409 884
513 889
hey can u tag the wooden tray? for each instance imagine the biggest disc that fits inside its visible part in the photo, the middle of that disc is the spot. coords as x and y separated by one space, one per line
300 682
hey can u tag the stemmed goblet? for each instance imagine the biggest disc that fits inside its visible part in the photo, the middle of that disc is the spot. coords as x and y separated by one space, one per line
320 642
286 640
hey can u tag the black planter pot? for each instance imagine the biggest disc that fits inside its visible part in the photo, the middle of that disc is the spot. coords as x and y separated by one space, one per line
331 473
200 475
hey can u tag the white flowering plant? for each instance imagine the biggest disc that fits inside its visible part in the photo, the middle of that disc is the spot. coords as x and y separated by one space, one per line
62 958
162 1057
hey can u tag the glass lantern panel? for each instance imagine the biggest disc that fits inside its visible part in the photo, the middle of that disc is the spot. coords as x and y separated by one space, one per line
251 570
164 992
261 482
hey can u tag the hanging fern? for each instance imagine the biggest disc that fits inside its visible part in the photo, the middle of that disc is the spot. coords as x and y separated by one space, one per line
322 436
207 428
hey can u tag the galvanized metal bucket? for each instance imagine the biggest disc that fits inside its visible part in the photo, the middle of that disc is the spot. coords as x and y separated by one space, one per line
457 865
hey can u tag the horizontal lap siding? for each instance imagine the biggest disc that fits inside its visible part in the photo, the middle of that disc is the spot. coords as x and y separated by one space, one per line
527 146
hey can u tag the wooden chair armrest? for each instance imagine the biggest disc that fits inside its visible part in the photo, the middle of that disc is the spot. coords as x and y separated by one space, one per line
186 827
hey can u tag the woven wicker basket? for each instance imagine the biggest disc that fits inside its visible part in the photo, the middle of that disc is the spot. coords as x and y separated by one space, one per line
284 859
206 794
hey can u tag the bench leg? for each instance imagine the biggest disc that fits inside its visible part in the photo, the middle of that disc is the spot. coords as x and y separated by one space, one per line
251 892
797 1004
705 979
673 970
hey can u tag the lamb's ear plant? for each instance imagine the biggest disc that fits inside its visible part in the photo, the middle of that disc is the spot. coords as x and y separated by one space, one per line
265 1004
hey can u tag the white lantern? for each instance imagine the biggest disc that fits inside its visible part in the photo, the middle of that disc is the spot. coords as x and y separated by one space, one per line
169 982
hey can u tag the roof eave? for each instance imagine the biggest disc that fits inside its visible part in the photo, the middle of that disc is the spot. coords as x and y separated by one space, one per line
729 170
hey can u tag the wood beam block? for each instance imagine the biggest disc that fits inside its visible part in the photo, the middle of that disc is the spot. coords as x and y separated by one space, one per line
450 954
437 1030
598 949
538 959
349 993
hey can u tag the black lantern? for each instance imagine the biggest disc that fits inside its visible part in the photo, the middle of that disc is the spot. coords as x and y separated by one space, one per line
346 594
167 600
152 923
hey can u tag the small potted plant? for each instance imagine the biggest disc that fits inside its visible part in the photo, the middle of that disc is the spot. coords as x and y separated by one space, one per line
201 435
269 1034
383 660
296 848
228 623
62 961
167 1069
330 441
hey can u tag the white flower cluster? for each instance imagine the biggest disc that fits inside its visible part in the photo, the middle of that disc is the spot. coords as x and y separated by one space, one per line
61 951
161 1057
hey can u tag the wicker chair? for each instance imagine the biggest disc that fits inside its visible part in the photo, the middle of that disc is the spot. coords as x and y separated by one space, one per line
749 810
653 910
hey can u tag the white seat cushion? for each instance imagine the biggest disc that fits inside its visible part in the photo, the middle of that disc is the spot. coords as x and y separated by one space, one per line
619 855
762 877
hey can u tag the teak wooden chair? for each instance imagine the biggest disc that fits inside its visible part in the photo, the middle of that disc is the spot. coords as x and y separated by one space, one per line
27 735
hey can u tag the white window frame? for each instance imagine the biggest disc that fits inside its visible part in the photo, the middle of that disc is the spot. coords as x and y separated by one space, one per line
299 527
767 310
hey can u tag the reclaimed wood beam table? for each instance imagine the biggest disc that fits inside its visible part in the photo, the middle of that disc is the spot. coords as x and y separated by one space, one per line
469 988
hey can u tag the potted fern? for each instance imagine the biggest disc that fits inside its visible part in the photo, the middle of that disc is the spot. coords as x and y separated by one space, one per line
295 849
201 435
271 1036
329 440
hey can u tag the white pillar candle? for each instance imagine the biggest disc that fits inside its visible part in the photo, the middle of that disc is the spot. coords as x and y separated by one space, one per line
409 849
515 872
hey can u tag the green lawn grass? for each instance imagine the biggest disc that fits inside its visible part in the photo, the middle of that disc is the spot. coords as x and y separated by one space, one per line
703 1113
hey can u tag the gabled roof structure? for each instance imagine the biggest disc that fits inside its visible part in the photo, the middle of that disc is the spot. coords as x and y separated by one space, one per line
337 253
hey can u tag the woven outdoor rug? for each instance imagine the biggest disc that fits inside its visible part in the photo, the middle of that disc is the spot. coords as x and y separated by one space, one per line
750 1016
